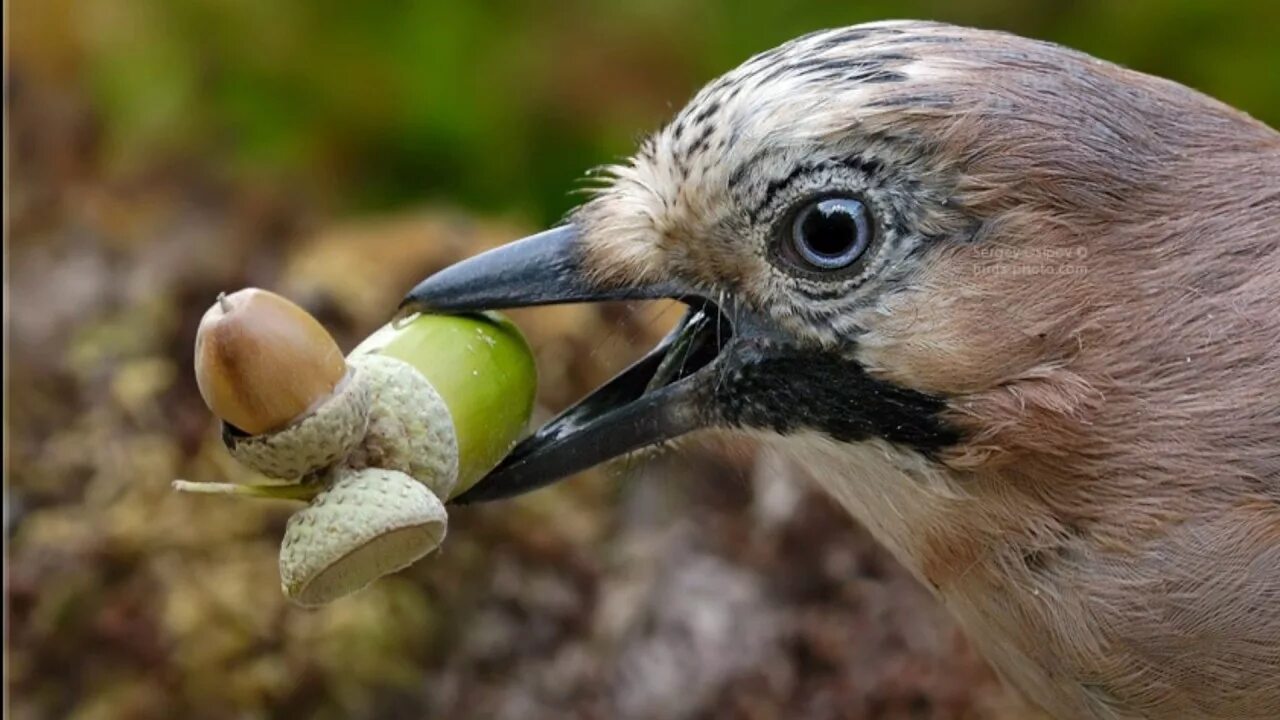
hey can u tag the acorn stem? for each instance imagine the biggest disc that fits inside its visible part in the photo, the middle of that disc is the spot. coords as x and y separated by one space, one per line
301 493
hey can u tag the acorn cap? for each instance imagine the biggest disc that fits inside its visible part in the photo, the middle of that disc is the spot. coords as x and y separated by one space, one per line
410 427
369 523
319 439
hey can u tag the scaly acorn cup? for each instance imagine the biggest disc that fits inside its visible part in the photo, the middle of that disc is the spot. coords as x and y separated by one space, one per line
368 523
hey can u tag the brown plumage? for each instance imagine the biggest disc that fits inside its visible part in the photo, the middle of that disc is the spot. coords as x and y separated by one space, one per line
1080 265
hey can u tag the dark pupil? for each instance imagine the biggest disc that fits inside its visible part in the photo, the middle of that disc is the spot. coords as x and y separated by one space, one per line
832 233
830 229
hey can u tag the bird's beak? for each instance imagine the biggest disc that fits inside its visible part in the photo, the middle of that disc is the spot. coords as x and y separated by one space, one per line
662 396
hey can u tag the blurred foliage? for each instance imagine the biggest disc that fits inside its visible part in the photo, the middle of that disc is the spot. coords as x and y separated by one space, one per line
163 150
500 105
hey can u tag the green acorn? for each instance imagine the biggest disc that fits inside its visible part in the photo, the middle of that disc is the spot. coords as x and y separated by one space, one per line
483 369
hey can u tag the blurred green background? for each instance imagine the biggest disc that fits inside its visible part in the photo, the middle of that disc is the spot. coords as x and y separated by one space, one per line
161 151
501 105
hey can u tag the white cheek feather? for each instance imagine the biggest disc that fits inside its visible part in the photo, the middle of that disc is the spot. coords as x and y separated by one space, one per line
899 495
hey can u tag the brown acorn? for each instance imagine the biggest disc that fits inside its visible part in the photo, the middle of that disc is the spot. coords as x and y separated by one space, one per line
289 402
262 362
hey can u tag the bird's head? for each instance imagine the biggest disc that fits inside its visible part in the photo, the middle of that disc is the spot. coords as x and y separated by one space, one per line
908 234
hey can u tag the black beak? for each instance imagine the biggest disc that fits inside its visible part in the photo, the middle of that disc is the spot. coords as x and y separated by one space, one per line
542 269
660 397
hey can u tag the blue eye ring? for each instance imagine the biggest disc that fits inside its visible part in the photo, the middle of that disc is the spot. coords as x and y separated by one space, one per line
831 233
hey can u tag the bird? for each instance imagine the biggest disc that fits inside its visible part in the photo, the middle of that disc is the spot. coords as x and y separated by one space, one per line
1015 308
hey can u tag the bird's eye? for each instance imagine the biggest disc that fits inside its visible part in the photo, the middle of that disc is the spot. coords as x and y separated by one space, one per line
832 233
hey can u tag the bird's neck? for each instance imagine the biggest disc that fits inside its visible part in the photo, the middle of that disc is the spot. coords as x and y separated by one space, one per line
1079 610
946 536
